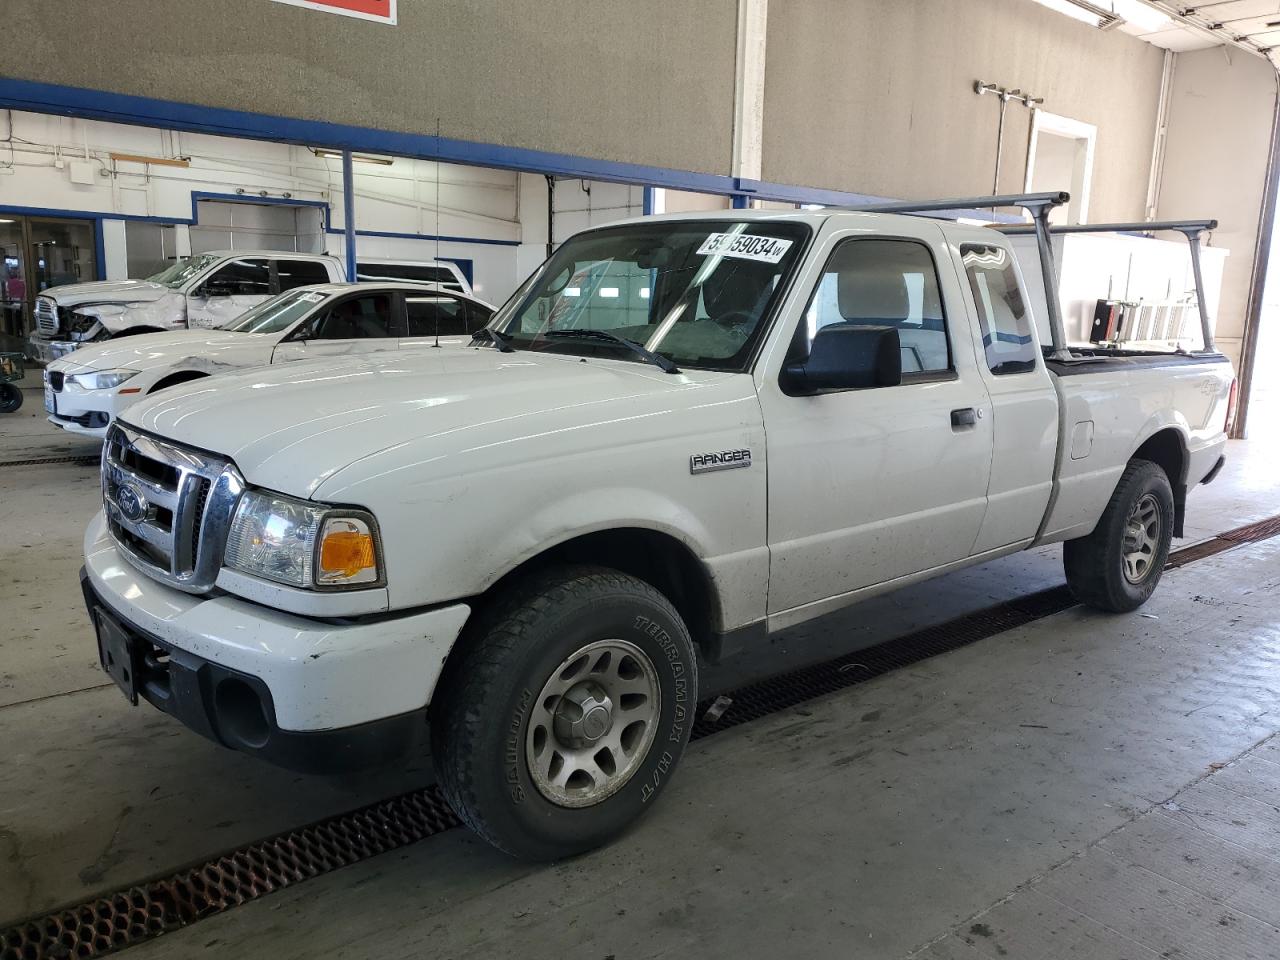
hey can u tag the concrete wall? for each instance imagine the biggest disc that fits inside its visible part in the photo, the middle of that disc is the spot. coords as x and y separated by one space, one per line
1219 138
876 96
610 79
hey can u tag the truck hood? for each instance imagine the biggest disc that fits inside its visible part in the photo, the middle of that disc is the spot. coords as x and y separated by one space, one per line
106 291
292 427
153 351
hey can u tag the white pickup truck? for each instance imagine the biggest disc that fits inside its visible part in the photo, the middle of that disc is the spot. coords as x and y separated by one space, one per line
680 435
202 292
87 389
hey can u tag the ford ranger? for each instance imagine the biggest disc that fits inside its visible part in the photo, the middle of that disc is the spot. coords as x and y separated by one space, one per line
680 435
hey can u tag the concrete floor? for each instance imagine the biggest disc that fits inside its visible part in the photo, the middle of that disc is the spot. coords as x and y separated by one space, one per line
1086 786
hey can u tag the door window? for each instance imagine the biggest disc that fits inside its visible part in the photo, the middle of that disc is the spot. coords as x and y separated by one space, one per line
240 278
1002 310
300 273
443 316
885 283
356 318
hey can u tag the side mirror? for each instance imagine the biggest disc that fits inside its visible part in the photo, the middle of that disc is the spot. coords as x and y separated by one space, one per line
847 357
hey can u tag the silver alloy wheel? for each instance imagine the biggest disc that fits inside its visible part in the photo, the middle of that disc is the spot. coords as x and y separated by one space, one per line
1141 539
593 723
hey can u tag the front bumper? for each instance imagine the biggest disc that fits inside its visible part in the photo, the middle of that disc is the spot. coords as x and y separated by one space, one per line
87 412
47 351
312 695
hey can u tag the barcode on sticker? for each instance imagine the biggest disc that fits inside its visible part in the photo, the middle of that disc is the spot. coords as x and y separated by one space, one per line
745 247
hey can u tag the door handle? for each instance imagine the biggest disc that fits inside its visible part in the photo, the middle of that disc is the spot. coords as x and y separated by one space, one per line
964 417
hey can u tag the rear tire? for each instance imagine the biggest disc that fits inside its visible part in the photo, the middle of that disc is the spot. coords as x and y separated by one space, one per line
1117 566
10 398
566 713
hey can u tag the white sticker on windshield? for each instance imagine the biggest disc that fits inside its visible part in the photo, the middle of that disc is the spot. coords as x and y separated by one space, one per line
745 247
312 297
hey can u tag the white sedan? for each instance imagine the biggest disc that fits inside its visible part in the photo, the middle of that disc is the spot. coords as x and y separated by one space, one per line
85 390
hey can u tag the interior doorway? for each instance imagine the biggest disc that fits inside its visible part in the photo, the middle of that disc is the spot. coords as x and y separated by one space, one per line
1060 157
37 253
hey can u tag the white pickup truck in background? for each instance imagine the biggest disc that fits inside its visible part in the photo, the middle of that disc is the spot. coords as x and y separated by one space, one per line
204 291
682 434
85 390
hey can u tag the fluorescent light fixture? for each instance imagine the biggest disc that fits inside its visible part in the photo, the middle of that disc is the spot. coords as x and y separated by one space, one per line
1145 18
812 206
6 221
356 157
573 291
644 293
1110 13
1076 11
609 293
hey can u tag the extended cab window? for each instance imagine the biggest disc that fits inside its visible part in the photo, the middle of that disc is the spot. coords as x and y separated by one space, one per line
300 273
886 283
240 278
355 318
439 315
1002 310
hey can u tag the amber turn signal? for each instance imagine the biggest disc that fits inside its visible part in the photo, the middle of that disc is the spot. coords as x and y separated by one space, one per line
348 553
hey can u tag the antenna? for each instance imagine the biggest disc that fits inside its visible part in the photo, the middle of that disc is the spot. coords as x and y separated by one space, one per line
437 231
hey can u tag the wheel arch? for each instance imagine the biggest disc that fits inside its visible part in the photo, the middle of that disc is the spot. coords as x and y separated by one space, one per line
658 557
1166 447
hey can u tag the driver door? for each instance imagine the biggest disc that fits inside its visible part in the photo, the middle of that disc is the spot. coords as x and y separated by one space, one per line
352 326
228 292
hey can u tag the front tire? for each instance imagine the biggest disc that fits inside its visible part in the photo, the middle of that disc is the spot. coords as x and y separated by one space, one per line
1117 566
567 712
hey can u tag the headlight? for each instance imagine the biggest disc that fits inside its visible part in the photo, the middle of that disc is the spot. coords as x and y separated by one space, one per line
101 379
303 544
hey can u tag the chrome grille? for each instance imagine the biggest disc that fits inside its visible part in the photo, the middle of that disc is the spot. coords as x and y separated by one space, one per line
46 317
168 507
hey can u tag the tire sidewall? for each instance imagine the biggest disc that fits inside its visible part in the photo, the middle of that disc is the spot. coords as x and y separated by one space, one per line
1151 480
535 826
10 397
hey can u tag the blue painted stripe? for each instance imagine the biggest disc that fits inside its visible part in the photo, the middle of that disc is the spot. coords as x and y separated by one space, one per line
83 214
427 236
99 250
149 111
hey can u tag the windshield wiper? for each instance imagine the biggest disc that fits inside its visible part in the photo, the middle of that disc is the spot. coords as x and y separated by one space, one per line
656 359
499 340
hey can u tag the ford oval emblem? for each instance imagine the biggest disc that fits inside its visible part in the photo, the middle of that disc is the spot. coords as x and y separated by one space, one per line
133 506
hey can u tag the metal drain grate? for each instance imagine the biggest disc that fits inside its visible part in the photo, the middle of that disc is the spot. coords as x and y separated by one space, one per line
44 461
140 913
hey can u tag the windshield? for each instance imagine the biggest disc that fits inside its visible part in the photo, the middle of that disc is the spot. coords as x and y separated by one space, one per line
277 314
183 269
695 291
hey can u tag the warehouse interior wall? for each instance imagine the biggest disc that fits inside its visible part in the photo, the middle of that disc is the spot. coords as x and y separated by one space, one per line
877 96
48 154
1221 106
556 75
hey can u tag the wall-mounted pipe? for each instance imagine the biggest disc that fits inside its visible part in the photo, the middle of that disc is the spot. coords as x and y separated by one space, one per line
1005 96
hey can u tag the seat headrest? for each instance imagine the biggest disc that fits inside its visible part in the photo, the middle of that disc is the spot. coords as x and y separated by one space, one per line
868 291
736 286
